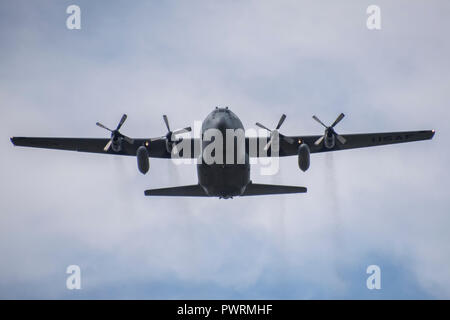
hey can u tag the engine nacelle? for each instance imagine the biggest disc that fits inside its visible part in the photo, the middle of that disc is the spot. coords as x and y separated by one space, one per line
116 143
329 140
303 157
142 159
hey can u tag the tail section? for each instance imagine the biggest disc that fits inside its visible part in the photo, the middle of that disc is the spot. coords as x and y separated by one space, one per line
252 189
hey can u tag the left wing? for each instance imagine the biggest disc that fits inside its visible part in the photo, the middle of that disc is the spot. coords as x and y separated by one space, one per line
353 141
156 146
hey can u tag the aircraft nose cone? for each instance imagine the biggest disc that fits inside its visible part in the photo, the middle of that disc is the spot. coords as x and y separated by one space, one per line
222 123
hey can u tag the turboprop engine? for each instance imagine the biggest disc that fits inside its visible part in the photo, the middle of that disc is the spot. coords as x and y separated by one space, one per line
303 157
330 135
171 135
116 140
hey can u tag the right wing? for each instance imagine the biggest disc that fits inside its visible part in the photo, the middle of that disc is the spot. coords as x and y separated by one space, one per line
364 140
353 141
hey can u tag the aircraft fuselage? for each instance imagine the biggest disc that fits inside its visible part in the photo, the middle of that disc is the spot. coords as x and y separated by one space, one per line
223 180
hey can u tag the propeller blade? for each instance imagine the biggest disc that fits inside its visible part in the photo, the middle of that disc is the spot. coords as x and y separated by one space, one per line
129 140
283 117
102 126
175 150
318 120
108 145
267 146
261 126
122 120
275 131
184 130
338 119
341 139
166 122
319 141
159 138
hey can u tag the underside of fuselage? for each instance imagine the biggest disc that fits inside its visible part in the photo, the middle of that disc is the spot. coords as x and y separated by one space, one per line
223 181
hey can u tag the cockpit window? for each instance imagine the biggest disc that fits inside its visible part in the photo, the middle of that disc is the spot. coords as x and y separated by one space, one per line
219 109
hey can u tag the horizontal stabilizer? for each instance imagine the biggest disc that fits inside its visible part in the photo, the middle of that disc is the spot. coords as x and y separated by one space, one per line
194 190
254 189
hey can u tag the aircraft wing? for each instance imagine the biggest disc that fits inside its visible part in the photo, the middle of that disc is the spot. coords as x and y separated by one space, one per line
353 141
156 146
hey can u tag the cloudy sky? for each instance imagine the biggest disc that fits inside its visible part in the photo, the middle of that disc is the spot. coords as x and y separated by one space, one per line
387 206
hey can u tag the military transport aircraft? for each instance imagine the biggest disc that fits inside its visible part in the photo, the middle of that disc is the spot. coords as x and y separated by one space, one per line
216 179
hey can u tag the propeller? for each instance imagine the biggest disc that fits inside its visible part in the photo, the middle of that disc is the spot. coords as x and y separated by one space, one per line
329 130
170 136
274 132
175 132
115 134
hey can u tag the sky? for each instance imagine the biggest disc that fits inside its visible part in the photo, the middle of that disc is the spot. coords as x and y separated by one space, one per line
385 206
